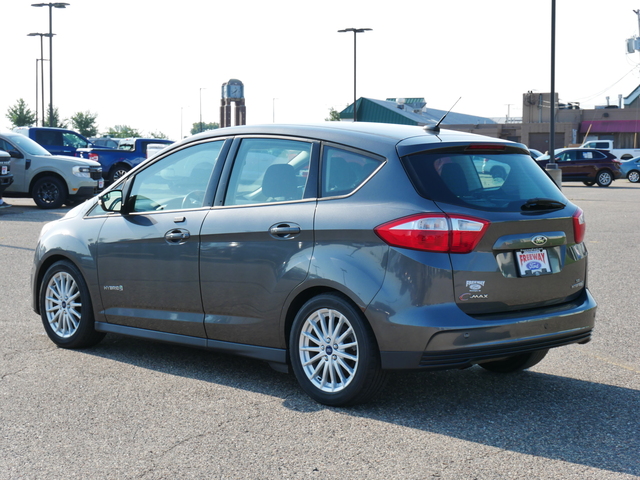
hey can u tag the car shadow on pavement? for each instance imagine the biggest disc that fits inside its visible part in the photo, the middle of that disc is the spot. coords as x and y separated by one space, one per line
529 412
16 213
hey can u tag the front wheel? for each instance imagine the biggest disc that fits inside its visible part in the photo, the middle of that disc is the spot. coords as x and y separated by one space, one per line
604 178
515 363
49 192
334 354
634 176
65 307
589 184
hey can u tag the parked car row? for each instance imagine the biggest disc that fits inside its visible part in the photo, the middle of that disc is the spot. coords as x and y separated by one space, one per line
130 152
115 157
586 165
51 180
341 251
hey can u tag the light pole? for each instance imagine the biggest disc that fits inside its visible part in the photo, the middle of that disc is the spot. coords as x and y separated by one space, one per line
50 35
355 33
202 88
41 72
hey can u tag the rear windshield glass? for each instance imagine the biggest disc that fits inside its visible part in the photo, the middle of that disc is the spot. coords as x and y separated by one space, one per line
496 181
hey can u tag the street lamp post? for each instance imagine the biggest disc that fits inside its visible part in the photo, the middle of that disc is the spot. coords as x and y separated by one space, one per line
355 33
41 73
50 35
201 88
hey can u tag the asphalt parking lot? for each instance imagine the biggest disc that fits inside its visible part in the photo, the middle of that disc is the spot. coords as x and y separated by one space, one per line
135 409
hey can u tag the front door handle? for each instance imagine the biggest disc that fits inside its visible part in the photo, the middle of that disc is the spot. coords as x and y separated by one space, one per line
284 230
177 235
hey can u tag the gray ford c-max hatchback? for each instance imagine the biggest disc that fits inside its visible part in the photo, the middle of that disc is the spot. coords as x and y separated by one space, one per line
340 250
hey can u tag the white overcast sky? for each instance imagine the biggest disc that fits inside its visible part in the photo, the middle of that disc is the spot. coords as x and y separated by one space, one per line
143 63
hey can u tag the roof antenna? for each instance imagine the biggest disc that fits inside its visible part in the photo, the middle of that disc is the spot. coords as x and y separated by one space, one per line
436 128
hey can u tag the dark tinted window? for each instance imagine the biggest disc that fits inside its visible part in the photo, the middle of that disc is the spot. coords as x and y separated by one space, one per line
499 182
343 171
48 137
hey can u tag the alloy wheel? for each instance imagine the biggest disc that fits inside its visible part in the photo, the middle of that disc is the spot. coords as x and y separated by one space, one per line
328 350
63 305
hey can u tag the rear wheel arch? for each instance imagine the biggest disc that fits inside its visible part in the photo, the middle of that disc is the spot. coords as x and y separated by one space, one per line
304 296
604 177
117 170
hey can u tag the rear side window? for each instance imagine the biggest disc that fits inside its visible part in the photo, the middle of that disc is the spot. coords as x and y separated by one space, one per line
343 171
497 182
48 137
268 170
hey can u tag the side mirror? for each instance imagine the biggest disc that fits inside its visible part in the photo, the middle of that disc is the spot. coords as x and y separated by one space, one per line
111 201
16 154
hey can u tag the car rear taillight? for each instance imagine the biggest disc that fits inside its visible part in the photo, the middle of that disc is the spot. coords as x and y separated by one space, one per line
579 226
94 156
434 232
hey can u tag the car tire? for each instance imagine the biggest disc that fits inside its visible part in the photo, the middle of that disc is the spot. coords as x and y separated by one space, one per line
515 363
49 192
65 307
604 178
634 176
343 367
589 184
117 172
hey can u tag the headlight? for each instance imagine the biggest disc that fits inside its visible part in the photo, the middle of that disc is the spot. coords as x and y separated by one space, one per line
81 171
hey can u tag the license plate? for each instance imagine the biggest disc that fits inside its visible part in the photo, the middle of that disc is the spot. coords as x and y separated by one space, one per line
101 183
533 262
5 169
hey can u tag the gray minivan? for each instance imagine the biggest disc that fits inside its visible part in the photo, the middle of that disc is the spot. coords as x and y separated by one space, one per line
340 250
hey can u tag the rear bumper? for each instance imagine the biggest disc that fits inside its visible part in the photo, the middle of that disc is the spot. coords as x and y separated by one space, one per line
488 338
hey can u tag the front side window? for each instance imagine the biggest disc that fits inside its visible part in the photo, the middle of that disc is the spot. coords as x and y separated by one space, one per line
343 170
73 140
495 181
178 181
268 170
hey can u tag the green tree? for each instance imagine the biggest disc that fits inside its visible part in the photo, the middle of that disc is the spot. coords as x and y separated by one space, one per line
85 123
20 115
158 135
56 119
334 115
123 131
203 127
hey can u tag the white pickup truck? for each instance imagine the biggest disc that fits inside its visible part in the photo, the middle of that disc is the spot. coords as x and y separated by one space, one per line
620 153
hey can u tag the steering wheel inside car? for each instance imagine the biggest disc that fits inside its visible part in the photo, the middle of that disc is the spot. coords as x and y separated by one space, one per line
193 199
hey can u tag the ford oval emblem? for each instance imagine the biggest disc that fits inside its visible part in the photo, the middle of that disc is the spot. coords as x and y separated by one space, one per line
539 240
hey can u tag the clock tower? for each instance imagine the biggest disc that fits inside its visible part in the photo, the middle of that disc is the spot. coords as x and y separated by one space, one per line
232 109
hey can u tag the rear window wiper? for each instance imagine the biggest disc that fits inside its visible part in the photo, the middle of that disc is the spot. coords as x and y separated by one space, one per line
542 204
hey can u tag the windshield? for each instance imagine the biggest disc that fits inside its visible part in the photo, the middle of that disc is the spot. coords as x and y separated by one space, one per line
497 181
26 144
